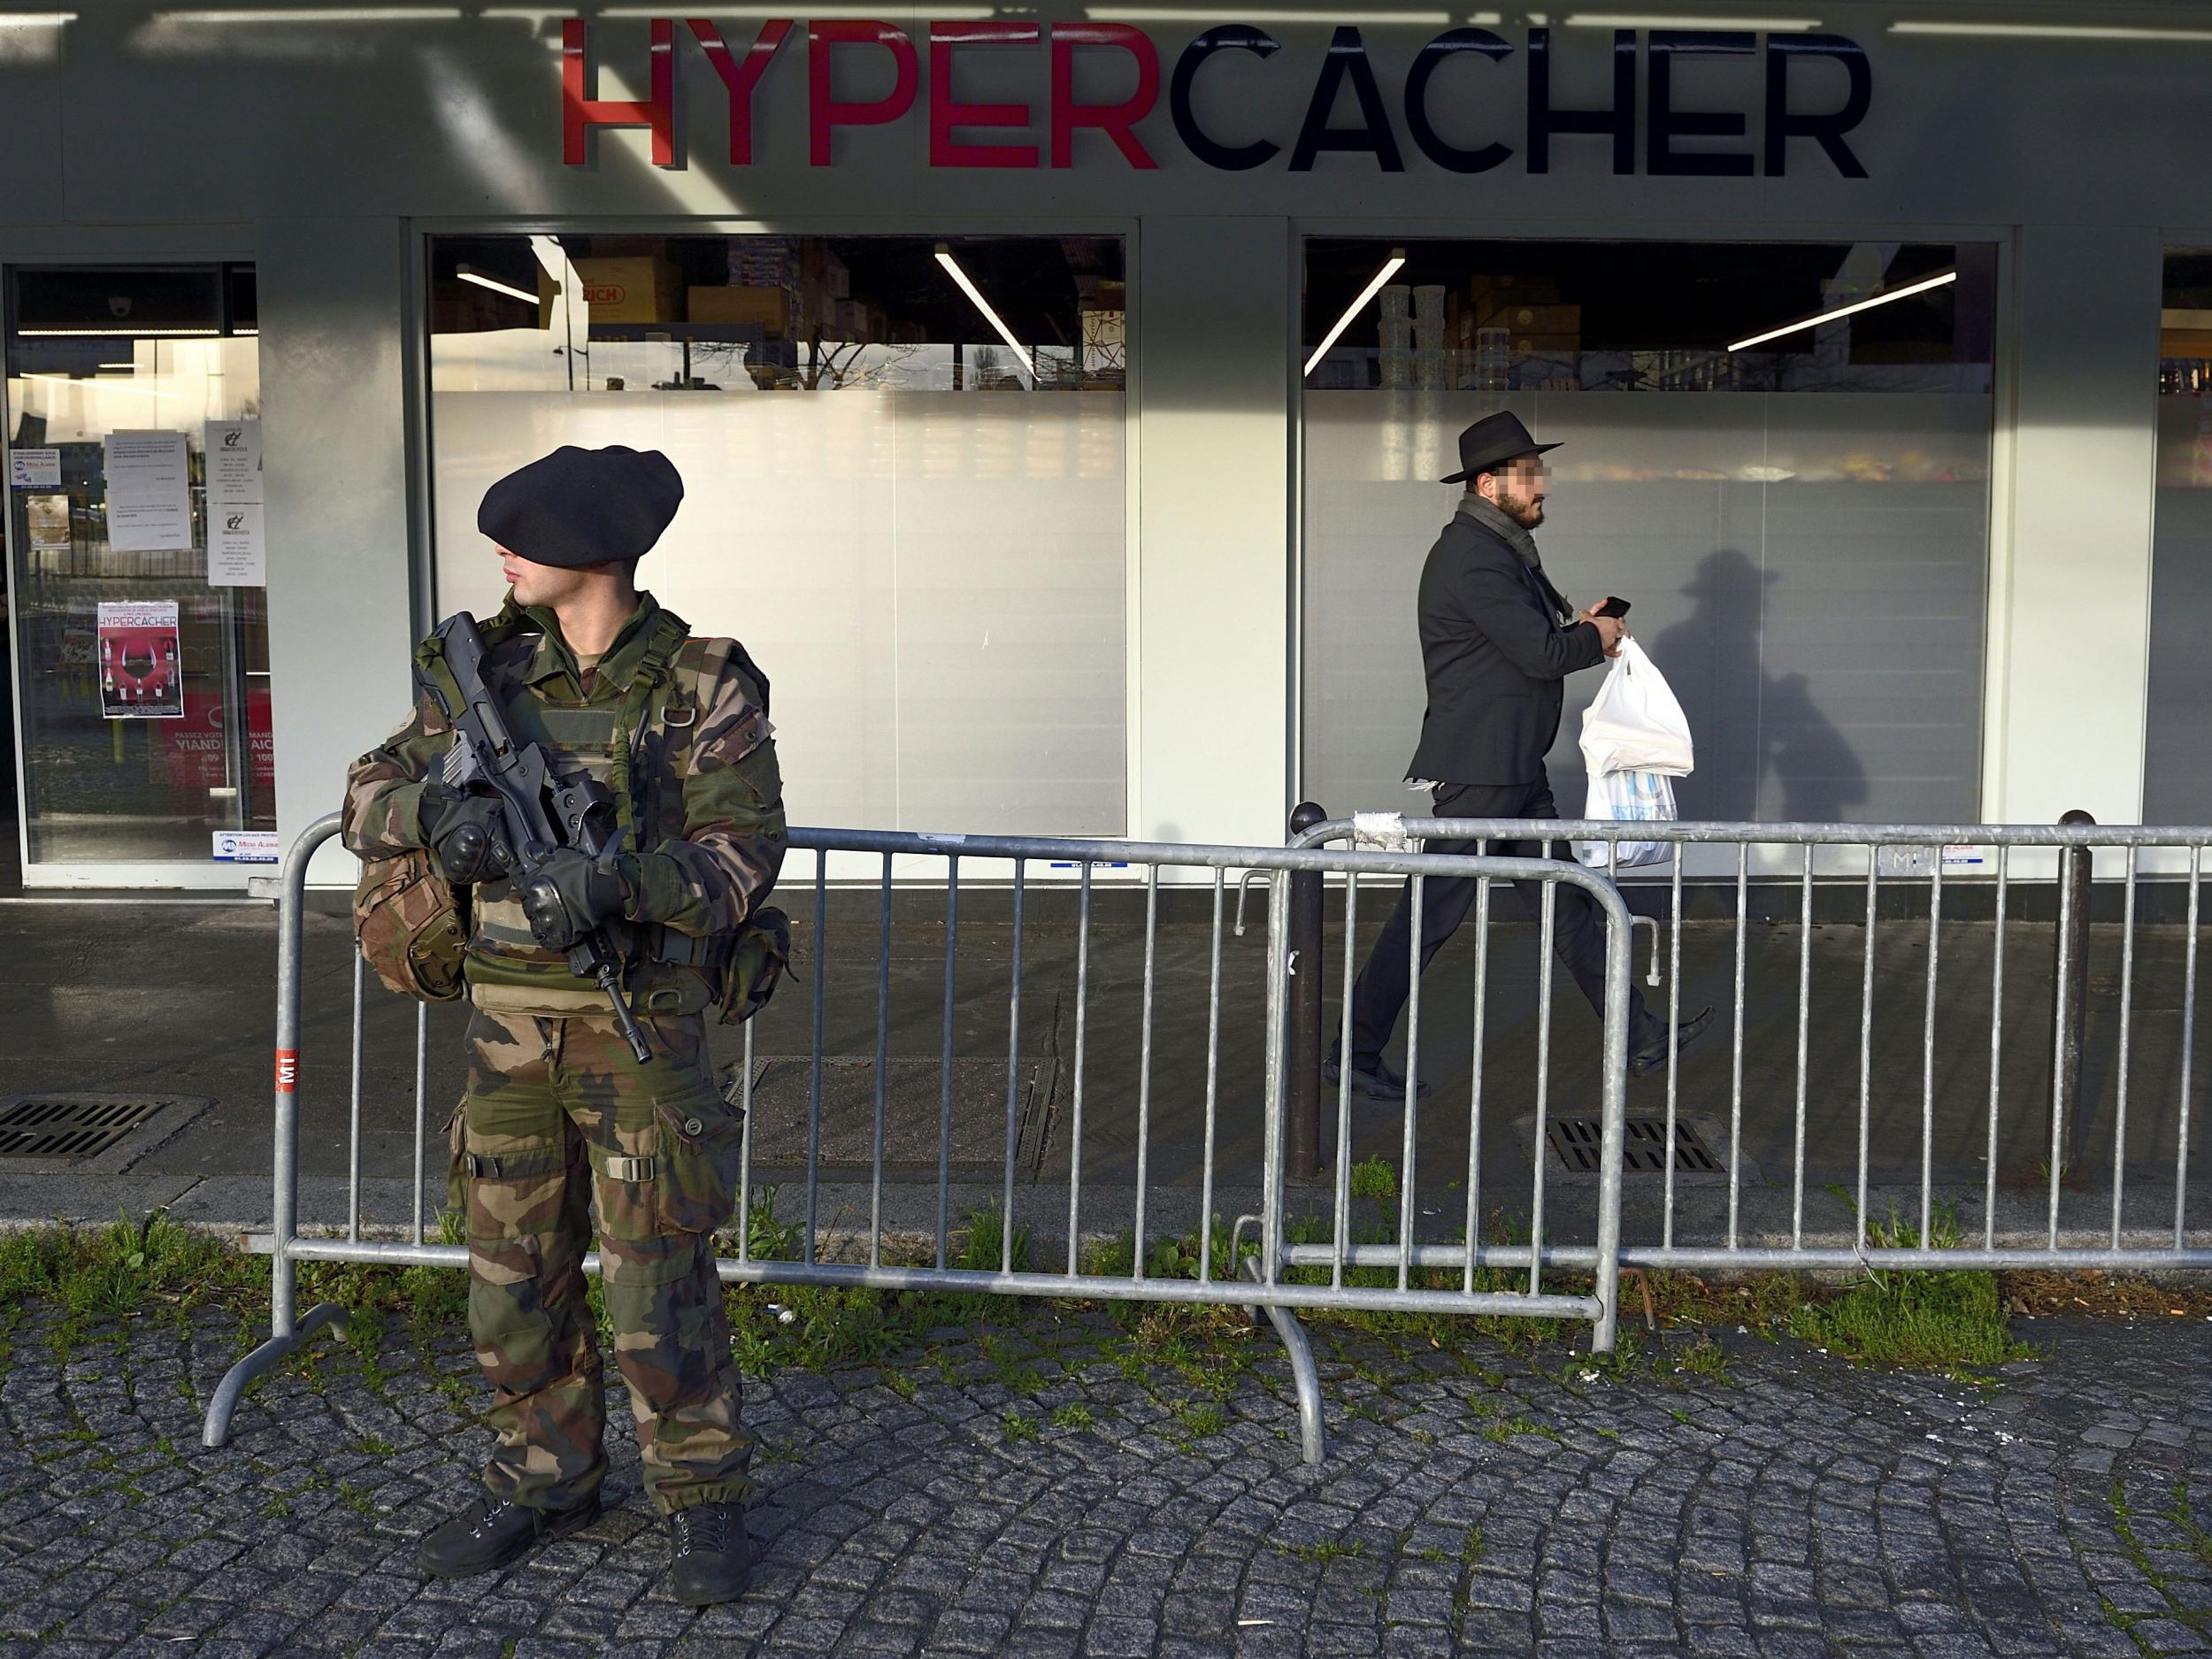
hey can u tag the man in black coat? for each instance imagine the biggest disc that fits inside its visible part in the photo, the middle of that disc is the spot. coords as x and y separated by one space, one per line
1497 640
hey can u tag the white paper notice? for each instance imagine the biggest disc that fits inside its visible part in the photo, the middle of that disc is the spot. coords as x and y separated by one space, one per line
35 469
236 555
149 492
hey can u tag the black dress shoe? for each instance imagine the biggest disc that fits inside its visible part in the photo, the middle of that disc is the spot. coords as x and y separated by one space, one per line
1374 1079
713 1559
493 1532
1652 1053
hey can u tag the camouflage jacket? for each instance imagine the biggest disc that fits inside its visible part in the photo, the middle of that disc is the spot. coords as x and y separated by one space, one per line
697 773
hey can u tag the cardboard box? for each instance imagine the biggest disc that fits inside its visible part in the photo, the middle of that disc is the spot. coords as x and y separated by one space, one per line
1487 294
1534 320
629 289
1558 348
768 308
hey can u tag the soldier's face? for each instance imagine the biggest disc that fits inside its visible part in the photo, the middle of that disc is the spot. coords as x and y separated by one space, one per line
536 584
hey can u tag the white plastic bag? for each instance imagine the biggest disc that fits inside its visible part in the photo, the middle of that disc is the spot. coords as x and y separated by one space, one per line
1634 723
1634 739
1627 798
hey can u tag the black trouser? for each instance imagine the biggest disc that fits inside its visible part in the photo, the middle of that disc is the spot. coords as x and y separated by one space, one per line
1578 925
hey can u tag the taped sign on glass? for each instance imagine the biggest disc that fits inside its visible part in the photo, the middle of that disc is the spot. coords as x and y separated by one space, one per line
236 554
141 669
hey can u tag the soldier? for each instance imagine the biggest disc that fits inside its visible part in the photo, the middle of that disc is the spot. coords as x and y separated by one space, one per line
559 1115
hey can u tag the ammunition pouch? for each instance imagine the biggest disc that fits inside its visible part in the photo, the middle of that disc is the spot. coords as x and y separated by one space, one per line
413 926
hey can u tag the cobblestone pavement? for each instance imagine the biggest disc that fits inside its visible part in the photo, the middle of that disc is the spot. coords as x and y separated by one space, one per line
960 1501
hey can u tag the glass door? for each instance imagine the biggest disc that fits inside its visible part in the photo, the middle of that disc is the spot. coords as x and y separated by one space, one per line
137 569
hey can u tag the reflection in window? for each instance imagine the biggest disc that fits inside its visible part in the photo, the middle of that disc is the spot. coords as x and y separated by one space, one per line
144 684
932 570
1801 523
2177 758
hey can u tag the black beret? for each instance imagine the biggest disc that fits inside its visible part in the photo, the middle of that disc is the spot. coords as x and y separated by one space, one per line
583 506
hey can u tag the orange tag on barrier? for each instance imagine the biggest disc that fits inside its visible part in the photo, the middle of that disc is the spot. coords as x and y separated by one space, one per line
288 1071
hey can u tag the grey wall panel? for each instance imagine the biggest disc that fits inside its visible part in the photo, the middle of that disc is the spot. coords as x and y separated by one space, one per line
32 94
1823 633
2177 746
335 465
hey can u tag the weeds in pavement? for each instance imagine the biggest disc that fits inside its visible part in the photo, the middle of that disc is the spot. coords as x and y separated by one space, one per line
1920 1318
1327 1550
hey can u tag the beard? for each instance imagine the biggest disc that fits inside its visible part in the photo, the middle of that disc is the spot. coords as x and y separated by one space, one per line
1526 510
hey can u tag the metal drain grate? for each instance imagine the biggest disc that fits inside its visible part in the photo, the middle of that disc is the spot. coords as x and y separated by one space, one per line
71 1125
1576 1141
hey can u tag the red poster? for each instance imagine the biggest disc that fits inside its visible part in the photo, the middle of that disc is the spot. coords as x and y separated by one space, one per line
141 673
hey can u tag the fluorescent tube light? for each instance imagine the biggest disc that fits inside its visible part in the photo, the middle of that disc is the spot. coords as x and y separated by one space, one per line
1317 19
1653 20
1374 287
315 14
102 333
1910 289
952 268
468 274
2053 31
103 386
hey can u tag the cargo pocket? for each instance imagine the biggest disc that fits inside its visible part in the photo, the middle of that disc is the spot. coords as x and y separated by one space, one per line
701 1144
456 1186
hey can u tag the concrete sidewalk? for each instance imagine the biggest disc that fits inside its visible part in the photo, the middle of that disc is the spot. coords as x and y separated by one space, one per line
176 1001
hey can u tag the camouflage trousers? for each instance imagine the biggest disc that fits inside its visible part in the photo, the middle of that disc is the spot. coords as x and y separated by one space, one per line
560 1120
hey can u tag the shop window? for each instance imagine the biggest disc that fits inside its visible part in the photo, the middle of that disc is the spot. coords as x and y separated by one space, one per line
1801 522
134 544
2178 749
930 565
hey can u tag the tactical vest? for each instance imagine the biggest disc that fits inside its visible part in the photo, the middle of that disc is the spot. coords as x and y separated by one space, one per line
668 972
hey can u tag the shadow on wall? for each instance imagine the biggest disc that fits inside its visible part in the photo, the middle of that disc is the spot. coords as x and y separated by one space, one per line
1761 738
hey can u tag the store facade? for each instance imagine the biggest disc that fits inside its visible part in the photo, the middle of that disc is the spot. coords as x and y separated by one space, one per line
1060 400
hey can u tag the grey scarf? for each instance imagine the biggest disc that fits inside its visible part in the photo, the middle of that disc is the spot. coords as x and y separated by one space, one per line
1490 516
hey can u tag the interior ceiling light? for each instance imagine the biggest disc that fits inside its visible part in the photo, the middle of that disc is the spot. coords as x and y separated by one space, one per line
2053 31
1374 287
139 330
102 386
1815 321
1653 20
953 270
315 14
468 274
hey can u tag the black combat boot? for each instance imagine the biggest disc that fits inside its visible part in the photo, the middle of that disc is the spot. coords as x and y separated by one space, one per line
713 1558
493 1532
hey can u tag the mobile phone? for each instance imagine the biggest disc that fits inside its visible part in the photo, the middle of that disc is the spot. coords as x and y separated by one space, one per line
1613 606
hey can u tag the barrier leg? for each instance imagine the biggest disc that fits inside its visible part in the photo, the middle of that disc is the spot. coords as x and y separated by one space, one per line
1304 1375
287 1332
216 1431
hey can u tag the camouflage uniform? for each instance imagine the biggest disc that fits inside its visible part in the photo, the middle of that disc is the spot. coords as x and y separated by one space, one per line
558 1116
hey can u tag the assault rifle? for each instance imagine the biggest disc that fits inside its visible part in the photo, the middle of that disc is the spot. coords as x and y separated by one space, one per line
543 810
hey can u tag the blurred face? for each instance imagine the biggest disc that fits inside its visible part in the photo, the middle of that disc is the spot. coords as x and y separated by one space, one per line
551 584
1518 488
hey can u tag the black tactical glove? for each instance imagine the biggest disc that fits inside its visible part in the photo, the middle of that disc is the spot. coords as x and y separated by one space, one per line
568 895
466 832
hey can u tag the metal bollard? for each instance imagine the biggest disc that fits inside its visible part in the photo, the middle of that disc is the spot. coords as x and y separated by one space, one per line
2069 1001
1303 1159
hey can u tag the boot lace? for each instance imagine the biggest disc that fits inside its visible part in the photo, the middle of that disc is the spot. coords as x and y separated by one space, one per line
490 1513
705 1530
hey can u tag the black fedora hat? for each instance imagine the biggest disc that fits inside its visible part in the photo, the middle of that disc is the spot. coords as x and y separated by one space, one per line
1491 441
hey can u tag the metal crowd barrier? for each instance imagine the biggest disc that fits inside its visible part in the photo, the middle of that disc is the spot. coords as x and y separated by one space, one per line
2103 1231
1282 1279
